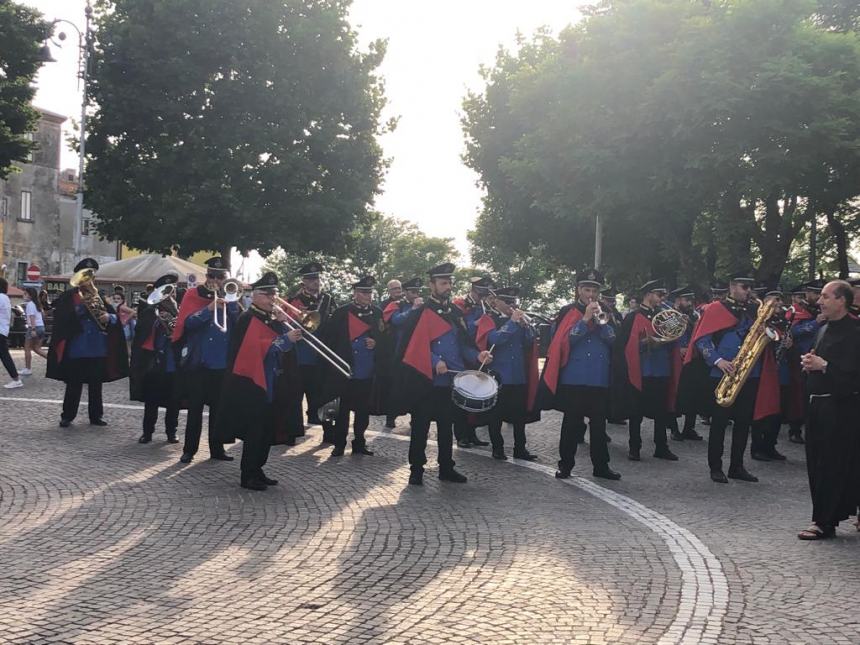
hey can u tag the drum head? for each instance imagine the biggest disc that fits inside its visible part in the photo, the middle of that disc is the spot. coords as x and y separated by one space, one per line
476 384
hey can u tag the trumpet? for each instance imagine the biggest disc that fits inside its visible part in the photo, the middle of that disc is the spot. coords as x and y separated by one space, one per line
232 292
312 318
601 316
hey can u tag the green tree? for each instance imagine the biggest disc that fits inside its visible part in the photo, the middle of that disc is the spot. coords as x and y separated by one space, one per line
705 135
22 32
245 123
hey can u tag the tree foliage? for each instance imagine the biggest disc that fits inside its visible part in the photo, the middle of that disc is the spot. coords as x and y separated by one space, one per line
22 32
705 135
246 123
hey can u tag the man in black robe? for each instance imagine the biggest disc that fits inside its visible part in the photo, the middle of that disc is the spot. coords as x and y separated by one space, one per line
249 400
87 346
154 360
832 369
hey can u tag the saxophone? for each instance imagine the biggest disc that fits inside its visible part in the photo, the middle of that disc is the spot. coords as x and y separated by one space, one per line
754 344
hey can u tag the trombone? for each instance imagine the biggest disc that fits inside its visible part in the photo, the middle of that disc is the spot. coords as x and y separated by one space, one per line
308 322
232 292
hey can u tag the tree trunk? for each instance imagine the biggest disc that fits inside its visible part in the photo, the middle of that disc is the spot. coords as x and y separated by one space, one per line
225 256
841 239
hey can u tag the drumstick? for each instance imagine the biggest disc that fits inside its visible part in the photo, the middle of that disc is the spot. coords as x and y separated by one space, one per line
484 362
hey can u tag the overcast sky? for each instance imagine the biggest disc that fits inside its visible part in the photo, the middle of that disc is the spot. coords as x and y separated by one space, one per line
433 59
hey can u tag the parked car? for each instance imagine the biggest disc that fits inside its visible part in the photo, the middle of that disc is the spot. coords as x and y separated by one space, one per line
17 328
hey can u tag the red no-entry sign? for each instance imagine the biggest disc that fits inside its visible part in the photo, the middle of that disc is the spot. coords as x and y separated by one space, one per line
34 273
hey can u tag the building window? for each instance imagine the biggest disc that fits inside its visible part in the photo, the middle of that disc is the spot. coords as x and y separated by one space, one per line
29 137
4 207
21 272
85 226
25 205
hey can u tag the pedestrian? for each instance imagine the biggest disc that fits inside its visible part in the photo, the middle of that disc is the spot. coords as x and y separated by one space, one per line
35 329
43 300
127 317
5 323
832 369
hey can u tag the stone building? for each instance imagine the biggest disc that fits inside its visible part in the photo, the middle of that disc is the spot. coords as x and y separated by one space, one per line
37 218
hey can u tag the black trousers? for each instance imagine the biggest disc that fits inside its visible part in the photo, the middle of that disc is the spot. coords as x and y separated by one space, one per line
764 433
203 388
689 422
6 358
582 401
651 402
511 407
150 417
256 442
355 399
436 406
742 414
88 367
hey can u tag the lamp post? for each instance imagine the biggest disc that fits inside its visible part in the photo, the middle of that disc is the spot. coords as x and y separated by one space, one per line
84 42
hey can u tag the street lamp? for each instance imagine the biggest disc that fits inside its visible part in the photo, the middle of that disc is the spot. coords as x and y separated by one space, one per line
84 42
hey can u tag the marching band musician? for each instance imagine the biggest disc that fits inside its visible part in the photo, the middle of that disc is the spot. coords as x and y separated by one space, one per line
717 339
353 332
607 303
435 343
203 356
682 300
153 364
644 374
249 405
575 378
87 346
310 297
515 362
395 314
395 293
805 323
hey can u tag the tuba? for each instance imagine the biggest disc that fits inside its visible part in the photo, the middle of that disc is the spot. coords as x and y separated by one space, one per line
84 280
758 337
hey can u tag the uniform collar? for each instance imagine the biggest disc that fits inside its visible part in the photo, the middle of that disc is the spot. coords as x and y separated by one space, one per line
439 306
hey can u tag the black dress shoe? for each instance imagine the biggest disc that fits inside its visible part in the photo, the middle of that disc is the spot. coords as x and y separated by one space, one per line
65 423
268 481
633 455
760 456
291 440
464 444
742 474
98 422
691 435
665 453
499 453
562 474
525 455
452 475
337 451
416 477
171 438
677 436
145 438
606 473
254 483
719 476
221 456
362 451
477 442
775 455
186 458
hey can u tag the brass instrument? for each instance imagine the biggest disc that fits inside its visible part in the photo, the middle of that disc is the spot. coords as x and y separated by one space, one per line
313 322
162 298
754 344
668 325
601 317
84 280
232 292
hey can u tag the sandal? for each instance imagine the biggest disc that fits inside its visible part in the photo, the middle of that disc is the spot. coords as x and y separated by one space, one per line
815 532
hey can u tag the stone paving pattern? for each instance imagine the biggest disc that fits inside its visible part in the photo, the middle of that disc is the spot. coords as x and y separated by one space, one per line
104 540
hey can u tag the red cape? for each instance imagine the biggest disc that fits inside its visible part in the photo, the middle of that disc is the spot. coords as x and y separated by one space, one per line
486 324
429 327
61 345
255 345
558 352
390 309
798 314
192 302
638 331
357 327
461 304
716 317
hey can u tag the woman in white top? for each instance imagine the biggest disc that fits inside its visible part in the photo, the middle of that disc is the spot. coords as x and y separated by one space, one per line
35 329
5 322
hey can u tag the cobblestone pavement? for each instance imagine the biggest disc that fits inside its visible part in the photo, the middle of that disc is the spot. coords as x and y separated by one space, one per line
104 540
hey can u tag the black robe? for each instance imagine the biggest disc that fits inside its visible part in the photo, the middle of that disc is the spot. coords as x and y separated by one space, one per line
244 411
335 334
149 379
833 435
408 385
66 327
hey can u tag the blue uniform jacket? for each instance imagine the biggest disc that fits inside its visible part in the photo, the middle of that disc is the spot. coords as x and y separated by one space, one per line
512 341
206 345
728 346
92 342
803 333
589 362
448 348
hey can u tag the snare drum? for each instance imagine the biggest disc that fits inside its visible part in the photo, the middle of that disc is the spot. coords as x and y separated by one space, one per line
474 391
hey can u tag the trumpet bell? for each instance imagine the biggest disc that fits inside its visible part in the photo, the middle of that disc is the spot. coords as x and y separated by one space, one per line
311 320
82 277
232 290
163 292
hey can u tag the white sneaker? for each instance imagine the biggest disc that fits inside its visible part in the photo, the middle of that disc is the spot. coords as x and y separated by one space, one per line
11 385
25 372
